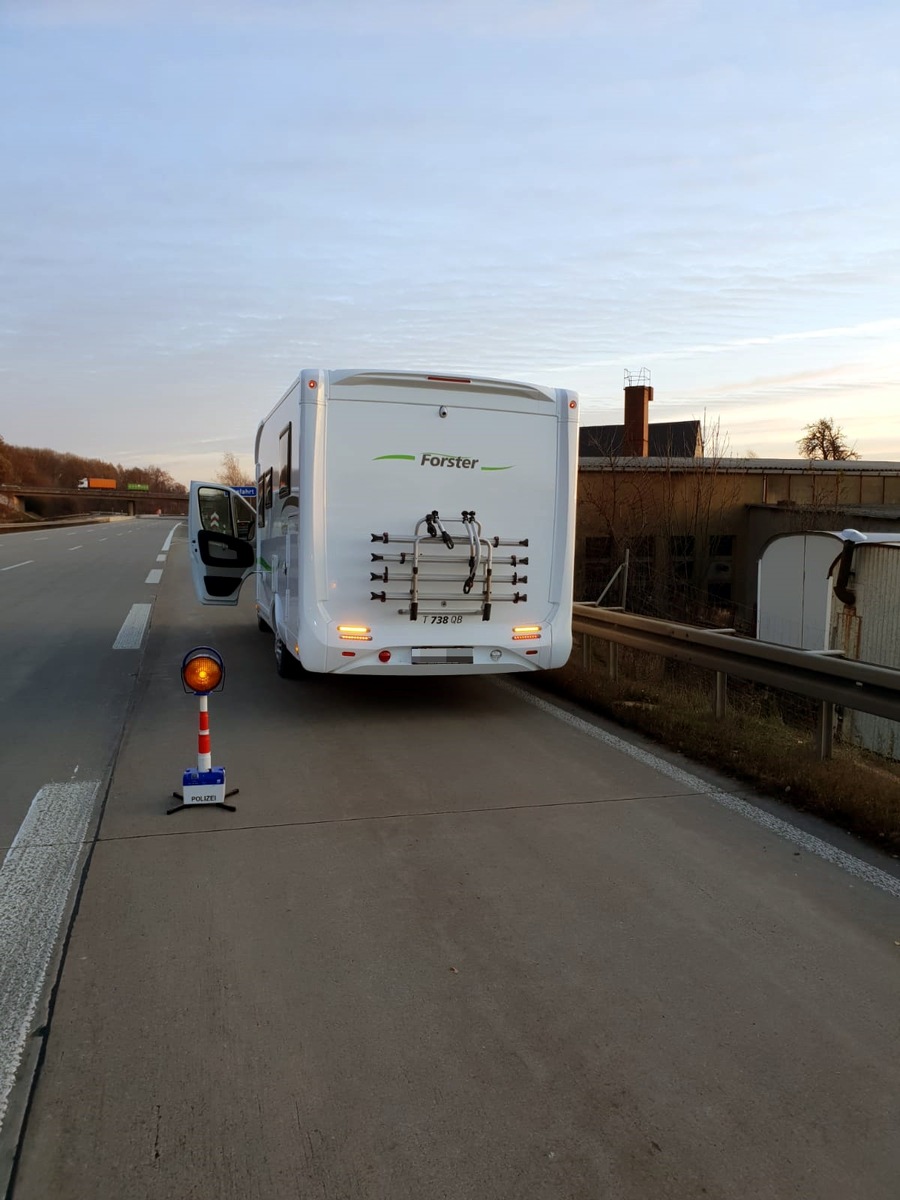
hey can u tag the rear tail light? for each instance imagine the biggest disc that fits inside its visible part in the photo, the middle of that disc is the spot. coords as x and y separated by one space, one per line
354 633
526 633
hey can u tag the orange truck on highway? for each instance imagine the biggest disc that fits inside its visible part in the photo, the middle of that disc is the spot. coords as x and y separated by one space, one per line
97 483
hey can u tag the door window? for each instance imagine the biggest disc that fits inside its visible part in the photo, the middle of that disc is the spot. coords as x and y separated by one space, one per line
215 510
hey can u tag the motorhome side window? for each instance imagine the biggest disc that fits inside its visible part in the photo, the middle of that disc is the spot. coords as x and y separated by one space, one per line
269 488
284 462
261 502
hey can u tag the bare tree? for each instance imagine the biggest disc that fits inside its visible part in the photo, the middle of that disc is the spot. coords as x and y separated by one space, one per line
230 473
5 464
824 439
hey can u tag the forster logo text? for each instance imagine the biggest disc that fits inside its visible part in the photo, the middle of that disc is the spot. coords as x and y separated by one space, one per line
448 460
430 459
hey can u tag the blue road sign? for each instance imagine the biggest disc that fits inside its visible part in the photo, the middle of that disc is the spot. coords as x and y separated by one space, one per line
245 491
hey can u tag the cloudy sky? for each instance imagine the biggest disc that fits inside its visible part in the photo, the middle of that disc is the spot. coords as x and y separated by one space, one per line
202 197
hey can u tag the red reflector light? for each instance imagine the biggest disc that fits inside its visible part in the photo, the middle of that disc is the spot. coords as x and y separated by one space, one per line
384 656
312 383
446 379
531 651
348 654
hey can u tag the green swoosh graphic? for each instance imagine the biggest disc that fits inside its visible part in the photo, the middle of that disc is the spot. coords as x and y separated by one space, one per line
509 468
262 562
405 457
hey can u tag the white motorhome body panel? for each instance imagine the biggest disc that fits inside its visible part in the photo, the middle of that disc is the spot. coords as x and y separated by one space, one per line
371 453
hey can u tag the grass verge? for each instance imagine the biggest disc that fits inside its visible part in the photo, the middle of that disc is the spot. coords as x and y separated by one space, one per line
753 742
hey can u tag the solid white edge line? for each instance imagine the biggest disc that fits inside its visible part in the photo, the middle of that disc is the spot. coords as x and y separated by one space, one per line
167 544
26 563
808 841
35 882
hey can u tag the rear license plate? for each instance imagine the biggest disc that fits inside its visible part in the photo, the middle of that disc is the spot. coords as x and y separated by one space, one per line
425 655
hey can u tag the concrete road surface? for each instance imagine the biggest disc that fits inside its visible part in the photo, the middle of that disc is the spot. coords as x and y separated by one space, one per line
450 946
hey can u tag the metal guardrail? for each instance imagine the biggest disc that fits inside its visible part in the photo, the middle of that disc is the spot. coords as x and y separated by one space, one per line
820 675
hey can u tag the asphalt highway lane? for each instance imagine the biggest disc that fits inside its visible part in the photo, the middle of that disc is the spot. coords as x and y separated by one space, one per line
75 604
450 946
64 595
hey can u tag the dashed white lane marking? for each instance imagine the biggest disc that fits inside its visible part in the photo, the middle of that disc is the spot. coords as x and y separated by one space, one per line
42 539
73 533
133 628
839 858
35 881
26 563
103 539
167 544
71 548
154 577
161 558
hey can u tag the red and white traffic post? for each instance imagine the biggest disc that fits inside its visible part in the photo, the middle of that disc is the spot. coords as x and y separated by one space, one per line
203 672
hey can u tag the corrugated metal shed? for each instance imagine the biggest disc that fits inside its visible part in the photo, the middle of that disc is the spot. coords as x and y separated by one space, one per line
795 585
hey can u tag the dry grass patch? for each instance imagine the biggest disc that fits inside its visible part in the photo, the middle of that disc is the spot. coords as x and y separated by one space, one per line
754 743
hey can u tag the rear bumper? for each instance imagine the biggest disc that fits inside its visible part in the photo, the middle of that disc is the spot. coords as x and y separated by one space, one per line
363 660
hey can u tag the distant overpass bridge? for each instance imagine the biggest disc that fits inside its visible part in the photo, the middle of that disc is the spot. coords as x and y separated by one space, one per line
22 492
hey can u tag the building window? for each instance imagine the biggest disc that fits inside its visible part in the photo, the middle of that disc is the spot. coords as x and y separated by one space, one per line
641 558
719 575
597 548
598 566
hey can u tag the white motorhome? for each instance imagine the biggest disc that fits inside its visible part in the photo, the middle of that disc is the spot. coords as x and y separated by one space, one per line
405 524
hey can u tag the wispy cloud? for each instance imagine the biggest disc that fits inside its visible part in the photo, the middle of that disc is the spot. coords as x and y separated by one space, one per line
201 198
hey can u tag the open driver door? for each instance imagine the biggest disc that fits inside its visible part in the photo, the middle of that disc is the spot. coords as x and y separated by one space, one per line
222 542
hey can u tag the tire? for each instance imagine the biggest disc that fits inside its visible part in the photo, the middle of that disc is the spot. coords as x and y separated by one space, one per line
285 663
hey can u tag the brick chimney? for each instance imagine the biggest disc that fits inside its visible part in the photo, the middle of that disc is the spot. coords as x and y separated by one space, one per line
638 394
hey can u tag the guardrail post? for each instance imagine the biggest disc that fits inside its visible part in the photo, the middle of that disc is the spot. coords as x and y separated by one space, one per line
721 694
587 643
614 661
826 730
